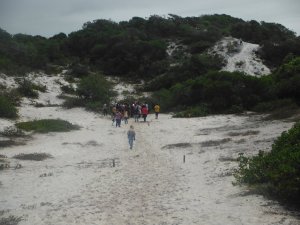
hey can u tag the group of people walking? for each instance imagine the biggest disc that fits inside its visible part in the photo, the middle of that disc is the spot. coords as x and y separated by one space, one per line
136 110
125 111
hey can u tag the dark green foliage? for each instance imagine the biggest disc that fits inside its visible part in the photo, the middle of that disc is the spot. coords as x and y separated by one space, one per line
71 102
95 88
195 111
288 80
7 108
193 67
277 104
278 171
21 53
219 91
137 48
79 70
93 91
68 89
47 125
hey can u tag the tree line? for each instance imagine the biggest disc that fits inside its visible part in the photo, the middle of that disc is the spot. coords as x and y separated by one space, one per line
137 48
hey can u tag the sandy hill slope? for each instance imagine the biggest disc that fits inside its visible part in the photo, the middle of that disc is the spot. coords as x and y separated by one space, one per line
94 178
240 56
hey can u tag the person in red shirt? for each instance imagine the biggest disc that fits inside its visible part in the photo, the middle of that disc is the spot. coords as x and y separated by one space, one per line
144 112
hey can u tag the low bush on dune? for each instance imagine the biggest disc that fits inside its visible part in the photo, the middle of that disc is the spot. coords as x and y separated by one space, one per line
275 173
12 132
72 102
95 88
7 108
11 220
93 91
47 125
196 111
27 89
33 156
68 89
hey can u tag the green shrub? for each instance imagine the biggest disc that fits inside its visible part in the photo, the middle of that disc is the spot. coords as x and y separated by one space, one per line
196 111
94 91
95 88
274 105
72 102
47 125
278 171
94 106
27 89
79 70
39 87
13 95
7 108
68 89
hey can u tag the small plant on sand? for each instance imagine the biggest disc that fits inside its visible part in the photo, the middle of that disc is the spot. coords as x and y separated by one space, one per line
12 132
33 156
4 164
47 125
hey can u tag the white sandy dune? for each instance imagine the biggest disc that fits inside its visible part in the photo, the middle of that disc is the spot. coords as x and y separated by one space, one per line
95 179
240 56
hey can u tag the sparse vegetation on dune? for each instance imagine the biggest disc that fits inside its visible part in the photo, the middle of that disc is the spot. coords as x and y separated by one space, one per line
11 220
47 125
33 156
12 132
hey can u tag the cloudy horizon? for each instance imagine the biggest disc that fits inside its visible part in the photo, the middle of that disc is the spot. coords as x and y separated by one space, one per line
47 18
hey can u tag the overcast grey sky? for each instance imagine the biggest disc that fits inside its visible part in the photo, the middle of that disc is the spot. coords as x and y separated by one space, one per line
49 17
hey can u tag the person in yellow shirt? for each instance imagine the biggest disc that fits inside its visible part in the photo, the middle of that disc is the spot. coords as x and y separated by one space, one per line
156 110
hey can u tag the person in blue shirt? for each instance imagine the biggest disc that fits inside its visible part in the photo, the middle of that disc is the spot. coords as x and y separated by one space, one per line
131 136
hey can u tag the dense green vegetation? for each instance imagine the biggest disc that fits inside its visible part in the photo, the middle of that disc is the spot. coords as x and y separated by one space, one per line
226 92
137 49
275 173
47 125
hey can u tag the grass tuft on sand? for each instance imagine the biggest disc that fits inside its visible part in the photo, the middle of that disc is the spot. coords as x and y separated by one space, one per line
47 125
33 156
